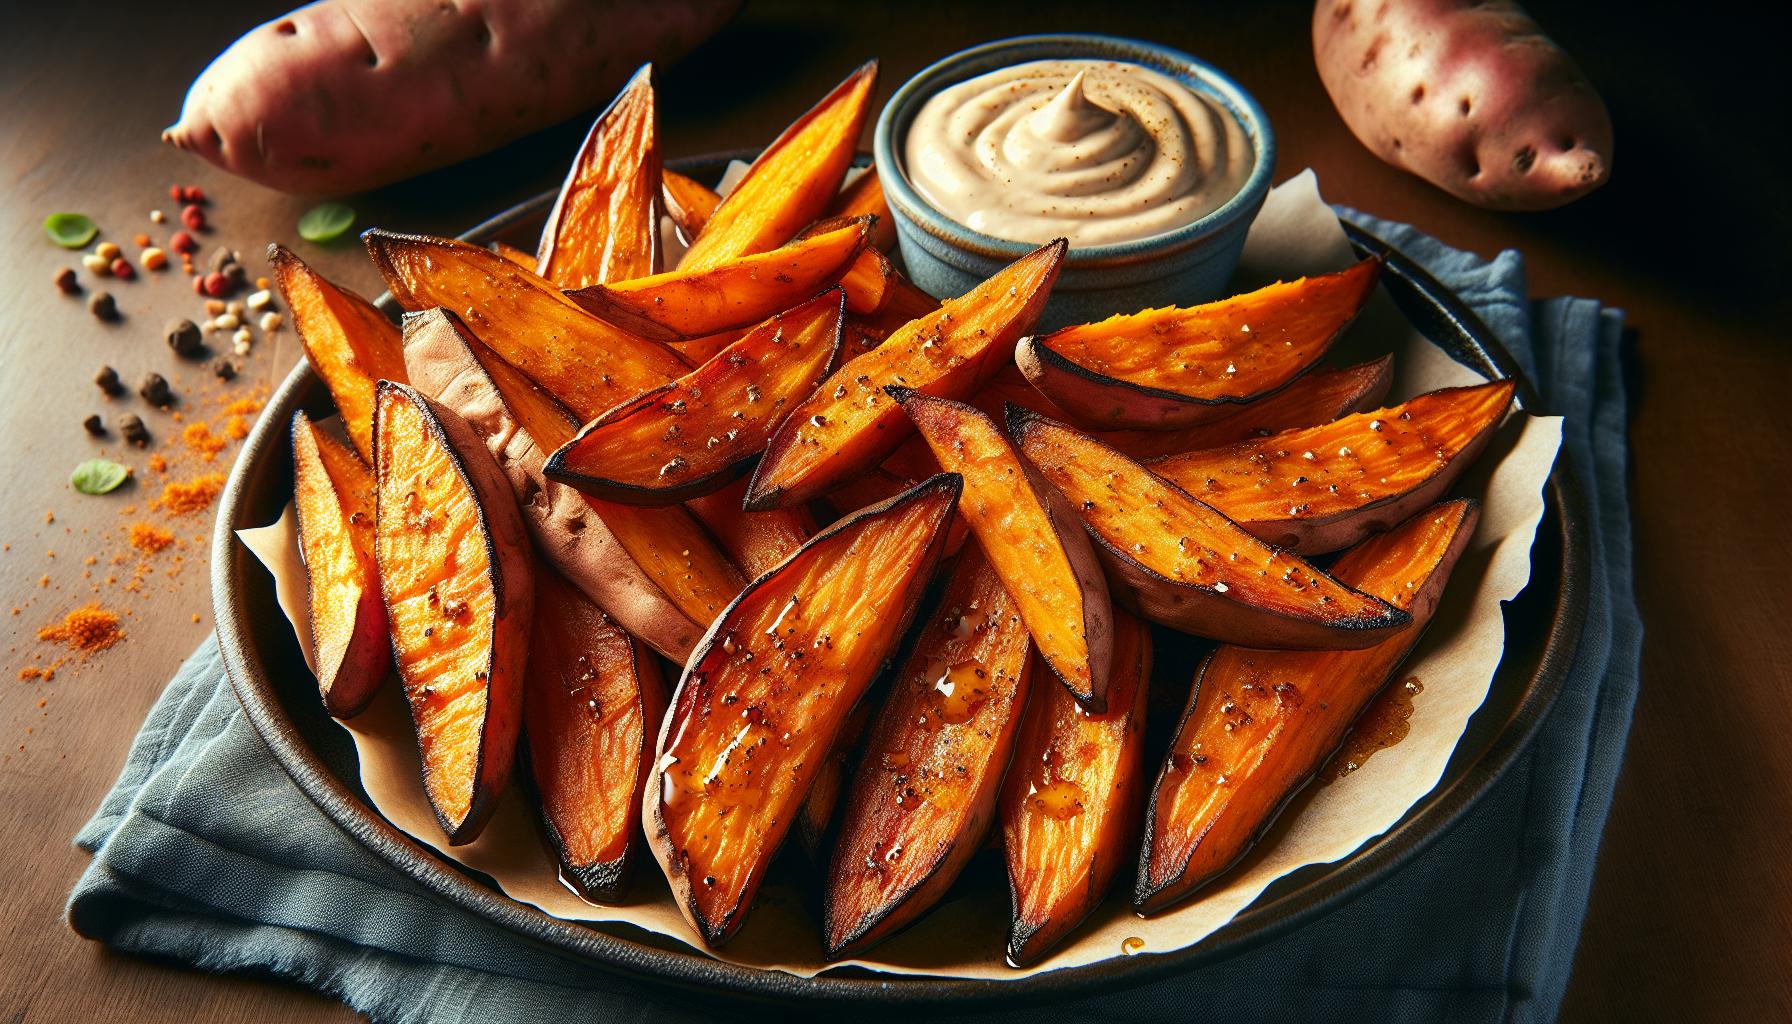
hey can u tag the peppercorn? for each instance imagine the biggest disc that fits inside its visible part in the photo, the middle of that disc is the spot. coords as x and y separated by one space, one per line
103 306
96 265
122 269
107 379
94 425
153 258
155 390
193 217
235 277
108 251
213 284
184 337
182 242
221 258
192 194
225 369
131 427
141 240
175 192
66 282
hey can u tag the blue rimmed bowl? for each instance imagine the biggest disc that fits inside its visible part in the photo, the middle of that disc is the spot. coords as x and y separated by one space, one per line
1187 265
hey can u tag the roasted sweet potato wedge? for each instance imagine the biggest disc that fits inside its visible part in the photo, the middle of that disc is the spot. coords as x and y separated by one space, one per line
903 303
592 699
333 499
526 260
697 351
347 341
655 571
1175 367
459 588
764 696
1033 539
1260 723
814 821
605 224
1181 563
743 290
865 198
581 360
882 485
1326 487
757 541
924 793
706 429
1314 398
867 277
793 182
1070 804
849 424
689 203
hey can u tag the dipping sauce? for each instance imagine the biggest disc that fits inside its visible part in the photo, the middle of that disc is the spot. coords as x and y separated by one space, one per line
1095 151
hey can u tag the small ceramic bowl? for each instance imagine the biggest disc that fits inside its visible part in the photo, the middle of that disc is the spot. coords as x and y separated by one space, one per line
1184 266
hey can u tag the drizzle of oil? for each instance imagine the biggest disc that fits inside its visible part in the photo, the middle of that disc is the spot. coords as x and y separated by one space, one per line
1385 723
1132 944
962 688
1062 799
573 888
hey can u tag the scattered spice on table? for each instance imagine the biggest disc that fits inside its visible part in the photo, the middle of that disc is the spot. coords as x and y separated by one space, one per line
183 497
150 538
200 440
88 628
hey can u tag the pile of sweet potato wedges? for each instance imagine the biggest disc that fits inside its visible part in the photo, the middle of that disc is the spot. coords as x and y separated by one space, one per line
896 556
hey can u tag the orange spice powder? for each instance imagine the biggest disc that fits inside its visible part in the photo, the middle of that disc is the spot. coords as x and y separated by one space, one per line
88 628
183 497
200 439
150 538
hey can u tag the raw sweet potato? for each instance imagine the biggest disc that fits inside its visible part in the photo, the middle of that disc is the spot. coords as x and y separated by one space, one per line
1472 97
731 293
581 360
1180 563
1260 723
605 224
924 793
333 501
593 696
346 95
1179 366
793 182
347 341
1326 487
655 571
849 424
689 203
706 429
757 541
459 589
1033 540
865 198
1070 804
764 696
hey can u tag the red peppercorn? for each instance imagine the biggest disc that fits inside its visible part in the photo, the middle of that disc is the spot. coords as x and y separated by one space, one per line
182 242
121 267
175 192
193 217
192 194
198 286
216 284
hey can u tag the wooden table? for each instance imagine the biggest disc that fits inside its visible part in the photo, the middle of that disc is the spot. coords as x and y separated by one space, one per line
1692 908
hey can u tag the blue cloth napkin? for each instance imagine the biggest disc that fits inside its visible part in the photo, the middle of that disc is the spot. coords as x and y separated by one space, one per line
205 852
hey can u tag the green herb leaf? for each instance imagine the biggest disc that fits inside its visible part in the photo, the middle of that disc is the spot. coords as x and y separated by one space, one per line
326 222
70 230
98 476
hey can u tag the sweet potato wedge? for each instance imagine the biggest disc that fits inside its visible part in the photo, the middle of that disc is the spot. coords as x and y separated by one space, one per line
1033 539
793 182
815 820
592 698
924 793
581 360
882 485
867 277
1180 563
605 224
1259 724
849 424
736 292
333 501
347 341
459 588
1319 396
1070 804
1326 487
865 198
697 351
757 541
689 203
526 260
655 571
706 429
763 698
1176 367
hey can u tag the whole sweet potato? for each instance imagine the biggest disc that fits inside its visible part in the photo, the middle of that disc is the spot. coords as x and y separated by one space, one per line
345 95
1470 96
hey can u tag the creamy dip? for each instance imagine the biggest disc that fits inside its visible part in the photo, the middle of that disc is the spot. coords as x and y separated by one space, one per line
1094 151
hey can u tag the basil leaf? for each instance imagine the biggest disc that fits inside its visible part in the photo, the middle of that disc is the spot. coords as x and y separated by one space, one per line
326 222
98 476
70 230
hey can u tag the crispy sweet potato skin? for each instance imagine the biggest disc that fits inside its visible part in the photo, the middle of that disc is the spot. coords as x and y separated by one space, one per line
1033 539
924 793
333 501
347 341
459 590
654 571
1260 723
593 697
849 424
1183 564
605 224
1175 367
581 360
764 695
1327 487
793 182
1070 803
